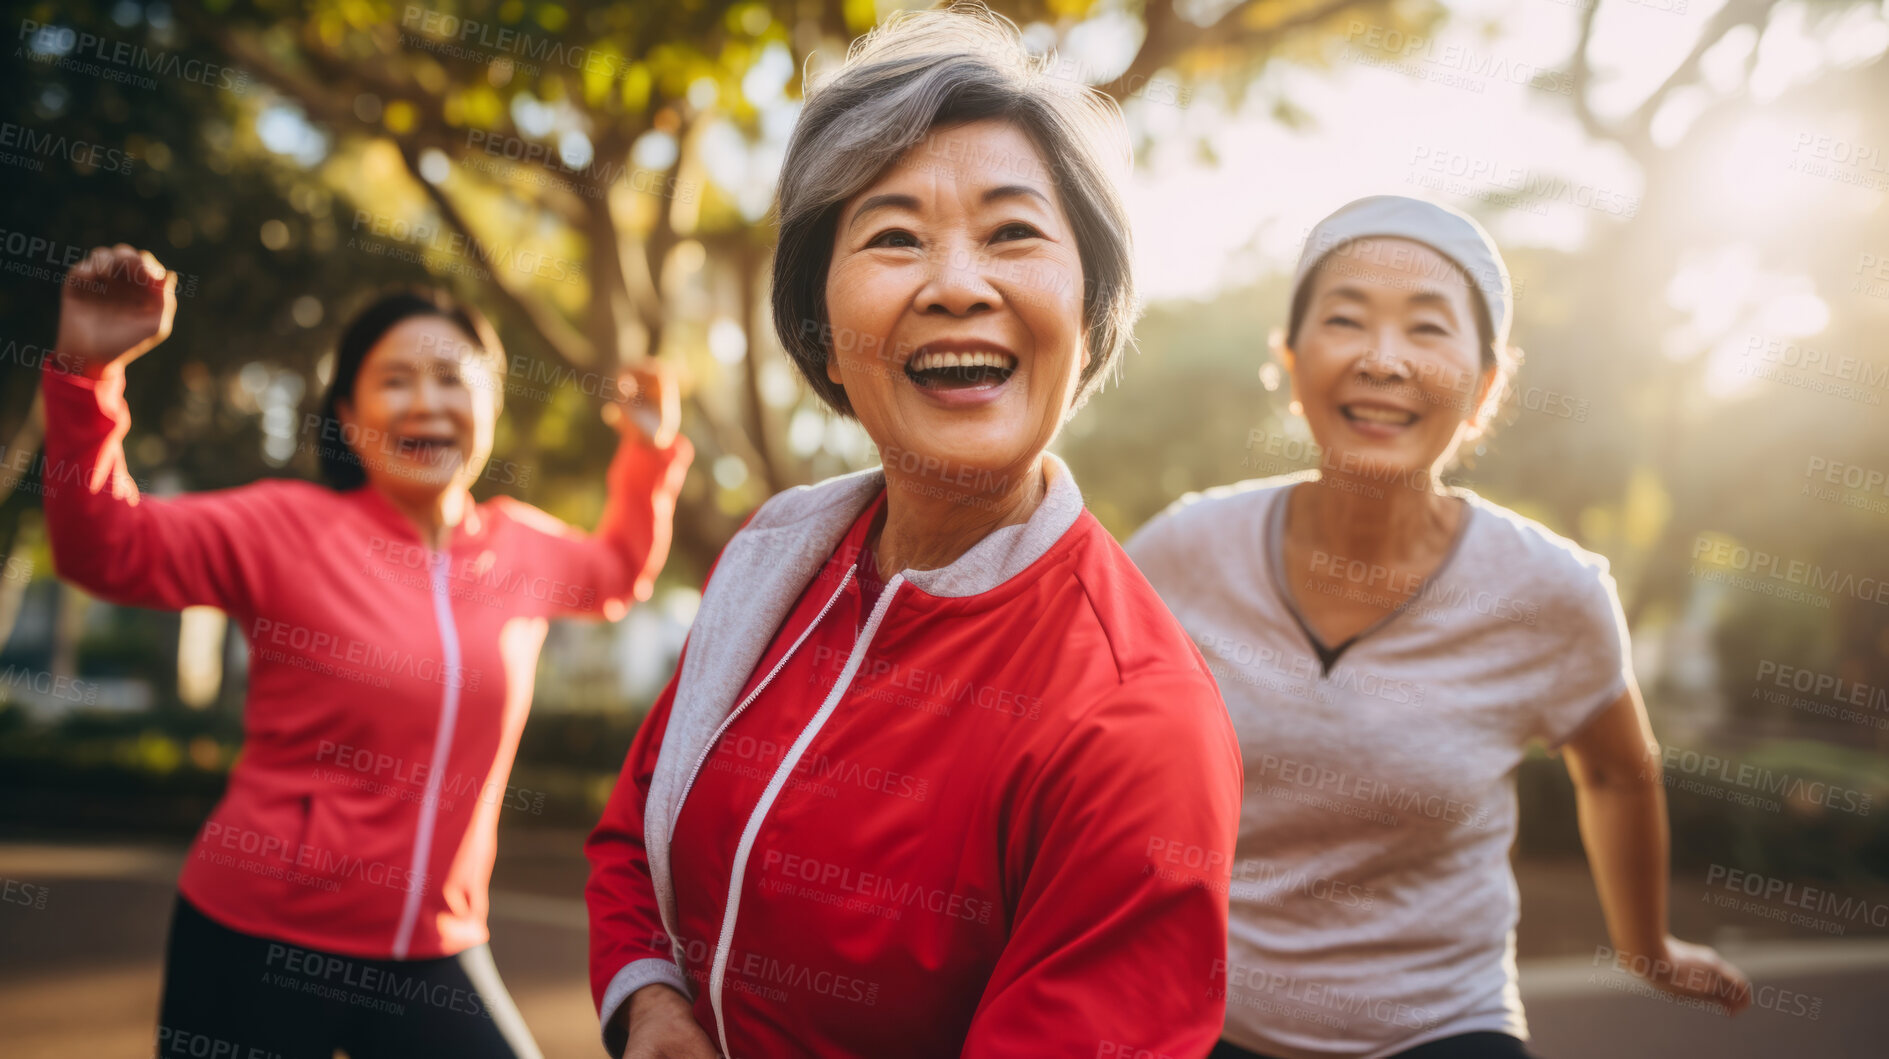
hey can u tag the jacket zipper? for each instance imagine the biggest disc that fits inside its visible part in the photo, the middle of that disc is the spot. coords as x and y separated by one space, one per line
442 746
719 968
709 747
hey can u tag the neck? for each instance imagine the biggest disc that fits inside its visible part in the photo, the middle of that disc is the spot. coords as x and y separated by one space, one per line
928 526
1378 521
433 516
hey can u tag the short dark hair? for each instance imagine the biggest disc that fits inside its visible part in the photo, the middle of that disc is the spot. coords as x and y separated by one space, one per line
340 466
927 70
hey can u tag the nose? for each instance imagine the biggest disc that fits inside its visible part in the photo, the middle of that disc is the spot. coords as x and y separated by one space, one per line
1383 359
956 285
429 396
426 394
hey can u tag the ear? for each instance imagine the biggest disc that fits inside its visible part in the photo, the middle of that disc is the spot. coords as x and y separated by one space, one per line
1488 394
833 369
344 411
1286 358
1483 390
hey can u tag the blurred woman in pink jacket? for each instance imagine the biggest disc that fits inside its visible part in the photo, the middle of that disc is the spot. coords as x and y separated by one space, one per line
336 898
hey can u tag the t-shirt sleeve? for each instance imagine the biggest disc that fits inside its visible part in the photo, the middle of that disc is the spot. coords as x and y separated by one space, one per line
1597 661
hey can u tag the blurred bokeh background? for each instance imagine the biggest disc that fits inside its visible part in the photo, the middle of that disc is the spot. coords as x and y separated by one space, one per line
1691 195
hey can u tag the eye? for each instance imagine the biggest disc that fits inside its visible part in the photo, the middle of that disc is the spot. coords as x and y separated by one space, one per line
1428 328
1016 230
895 237
1341 321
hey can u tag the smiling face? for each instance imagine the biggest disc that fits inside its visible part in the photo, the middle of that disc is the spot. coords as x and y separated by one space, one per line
1387 361
954 296
423 411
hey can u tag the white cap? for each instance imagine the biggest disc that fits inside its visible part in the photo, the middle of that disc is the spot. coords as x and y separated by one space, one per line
1454 235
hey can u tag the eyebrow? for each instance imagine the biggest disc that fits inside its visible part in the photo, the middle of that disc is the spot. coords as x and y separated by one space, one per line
1432 297
1012 191
882 202
1436 299
894 200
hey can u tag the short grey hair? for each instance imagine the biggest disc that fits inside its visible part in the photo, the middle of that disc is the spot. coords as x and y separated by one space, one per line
918 72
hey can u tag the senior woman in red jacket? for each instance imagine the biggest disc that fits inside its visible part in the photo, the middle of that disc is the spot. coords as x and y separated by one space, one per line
336 897
938 774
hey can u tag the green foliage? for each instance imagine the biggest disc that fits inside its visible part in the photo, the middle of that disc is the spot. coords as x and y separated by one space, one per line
1640 458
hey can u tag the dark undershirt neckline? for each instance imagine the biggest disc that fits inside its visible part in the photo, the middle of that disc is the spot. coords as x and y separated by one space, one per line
1274 546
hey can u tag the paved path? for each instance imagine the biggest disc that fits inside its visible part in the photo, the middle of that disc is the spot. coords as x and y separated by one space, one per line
79 976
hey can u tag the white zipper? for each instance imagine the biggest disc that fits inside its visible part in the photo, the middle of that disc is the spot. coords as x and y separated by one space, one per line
719 970
417 882
709 747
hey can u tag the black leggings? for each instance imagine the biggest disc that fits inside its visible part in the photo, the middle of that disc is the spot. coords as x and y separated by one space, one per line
1463 1046
231 995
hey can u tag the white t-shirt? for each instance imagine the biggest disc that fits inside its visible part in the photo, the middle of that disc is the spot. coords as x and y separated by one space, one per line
1373 907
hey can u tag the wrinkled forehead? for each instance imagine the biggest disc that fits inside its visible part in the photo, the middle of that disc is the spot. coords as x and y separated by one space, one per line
1392 268
969 157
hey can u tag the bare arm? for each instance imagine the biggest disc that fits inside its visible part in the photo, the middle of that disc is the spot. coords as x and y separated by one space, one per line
1621 796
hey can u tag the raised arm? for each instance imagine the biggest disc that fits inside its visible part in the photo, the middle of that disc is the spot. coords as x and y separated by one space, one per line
106 538
1123 852
603 572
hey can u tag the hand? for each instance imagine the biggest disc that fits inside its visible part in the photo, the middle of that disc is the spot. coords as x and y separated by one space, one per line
651 405
1697 971
662 1026
115 304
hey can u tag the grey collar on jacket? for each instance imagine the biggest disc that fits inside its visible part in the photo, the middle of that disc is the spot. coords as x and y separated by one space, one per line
760 574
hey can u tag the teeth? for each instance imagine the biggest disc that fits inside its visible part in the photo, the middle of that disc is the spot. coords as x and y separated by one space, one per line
1380 415
926 361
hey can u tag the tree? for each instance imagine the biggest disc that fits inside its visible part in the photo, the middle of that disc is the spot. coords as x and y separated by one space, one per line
1743 469
512 118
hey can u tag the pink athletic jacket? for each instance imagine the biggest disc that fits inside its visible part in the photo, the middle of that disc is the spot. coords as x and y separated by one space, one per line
990 814
388 683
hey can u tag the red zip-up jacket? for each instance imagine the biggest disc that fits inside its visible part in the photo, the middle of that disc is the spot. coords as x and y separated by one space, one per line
990 815
388 683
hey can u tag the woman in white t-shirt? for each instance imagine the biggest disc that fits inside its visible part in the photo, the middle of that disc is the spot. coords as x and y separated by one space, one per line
1387 648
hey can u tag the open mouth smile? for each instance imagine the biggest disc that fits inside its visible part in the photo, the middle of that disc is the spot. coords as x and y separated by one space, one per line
423 448
1376 419
972 369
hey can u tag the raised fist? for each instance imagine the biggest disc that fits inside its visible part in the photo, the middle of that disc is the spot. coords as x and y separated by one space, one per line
116 304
